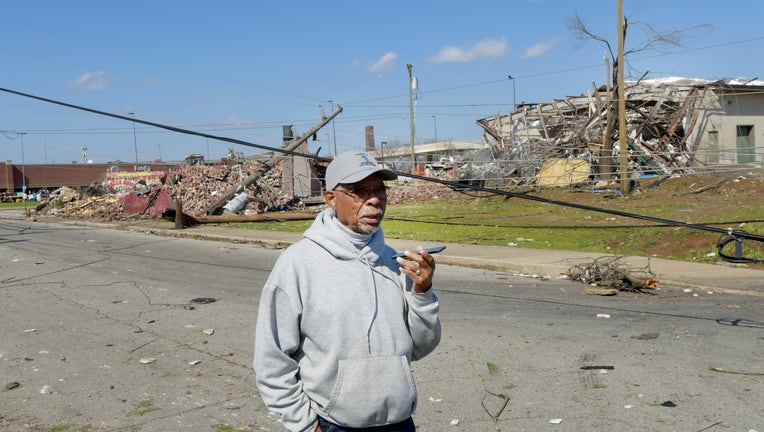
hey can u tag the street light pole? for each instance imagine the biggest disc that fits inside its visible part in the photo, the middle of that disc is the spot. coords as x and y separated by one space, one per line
135 140
411 118
435 122
45 169
514 100
23 166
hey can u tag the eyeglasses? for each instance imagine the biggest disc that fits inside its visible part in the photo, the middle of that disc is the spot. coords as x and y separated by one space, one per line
363 194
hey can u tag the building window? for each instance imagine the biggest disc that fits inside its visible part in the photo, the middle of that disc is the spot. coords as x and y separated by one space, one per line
745 145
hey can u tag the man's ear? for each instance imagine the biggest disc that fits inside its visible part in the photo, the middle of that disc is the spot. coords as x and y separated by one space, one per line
330 197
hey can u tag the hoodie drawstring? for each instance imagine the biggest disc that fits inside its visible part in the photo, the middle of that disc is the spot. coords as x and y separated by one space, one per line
376 303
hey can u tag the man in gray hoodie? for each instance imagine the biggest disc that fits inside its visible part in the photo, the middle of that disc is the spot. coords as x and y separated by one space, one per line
341 319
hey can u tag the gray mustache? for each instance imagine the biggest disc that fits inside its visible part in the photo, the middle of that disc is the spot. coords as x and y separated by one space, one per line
378 212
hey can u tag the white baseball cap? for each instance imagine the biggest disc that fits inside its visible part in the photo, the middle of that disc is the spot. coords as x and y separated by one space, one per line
354 166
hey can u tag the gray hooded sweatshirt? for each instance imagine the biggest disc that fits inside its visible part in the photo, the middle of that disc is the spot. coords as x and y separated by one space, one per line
337 328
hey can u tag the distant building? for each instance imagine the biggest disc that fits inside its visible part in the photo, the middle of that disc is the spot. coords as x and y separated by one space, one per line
14 178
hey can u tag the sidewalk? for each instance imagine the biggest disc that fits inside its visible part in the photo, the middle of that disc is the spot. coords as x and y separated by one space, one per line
723 277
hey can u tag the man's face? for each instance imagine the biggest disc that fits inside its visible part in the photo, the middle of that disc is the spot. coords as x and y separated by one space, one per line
359 206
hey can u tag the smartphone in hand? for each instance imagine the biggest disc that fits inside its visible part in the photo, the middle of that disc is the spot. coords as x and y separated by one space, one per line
432 250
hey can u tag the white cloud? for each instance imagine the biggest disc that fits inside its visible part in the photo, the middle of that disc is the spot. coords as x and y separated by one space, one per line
149 80
92 81
353 64
540 48
485 49
385 63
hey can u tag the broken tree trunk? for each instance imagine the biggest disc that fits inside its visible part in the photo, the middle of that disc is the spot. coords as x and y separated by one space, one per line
260 217
179 219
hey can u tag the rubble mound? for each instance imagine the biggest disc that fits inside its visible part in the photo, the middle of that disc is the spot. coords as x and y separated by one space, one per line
197 187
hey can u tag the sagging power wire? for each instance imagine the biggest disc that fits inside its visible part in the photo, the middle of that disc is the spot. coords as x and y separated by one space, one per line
166 127
728 234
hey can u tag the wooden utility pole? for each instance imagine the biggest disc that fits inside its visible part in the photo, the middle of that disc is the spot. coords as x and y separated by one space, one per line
411 118
622 150
608 113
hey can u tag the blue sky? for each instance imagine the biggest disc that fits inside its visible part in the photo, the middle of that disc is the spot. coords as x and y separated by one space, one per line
242 69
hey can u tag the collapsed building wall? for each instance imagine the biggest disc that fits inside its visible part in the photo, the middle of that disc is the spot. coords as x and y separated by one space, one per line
667 123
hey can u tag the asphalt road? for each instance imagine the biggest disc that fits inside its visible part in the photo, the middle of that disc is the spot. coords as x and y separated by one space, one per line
100 332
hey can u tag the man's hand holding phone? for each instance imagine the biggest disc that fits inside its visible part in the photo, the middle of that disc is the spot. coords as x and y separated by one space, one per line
419 265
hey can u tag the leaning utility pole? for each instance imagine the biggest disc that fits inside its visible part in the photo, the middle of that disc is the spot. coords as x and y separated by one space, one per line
268 164
622 150
411 118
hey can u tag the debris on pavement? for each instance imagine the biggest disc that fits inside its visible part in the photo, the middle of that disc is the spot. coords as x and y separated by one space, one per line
646 336
722 370
203 300
608 274
498 402
599 368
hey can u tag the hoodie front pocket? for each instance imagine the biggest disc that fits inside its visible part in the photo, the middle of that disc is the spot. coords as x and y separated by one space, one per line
372 391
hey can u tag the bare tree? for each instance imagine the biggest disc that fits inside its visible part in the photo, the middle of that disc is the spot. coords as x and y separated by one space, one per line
651 39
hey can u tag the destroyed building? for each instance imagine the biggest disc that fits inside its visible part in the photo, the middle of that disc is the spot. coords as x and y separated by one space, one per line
673 126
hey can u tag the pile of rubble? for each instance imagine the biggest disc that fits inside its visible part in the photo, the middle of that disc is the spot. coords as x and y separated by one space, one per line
201 190
418 191
200 187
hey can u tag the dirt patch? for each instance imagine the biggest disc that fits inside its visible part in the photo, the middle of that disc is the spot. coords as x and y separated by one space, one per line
675 246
